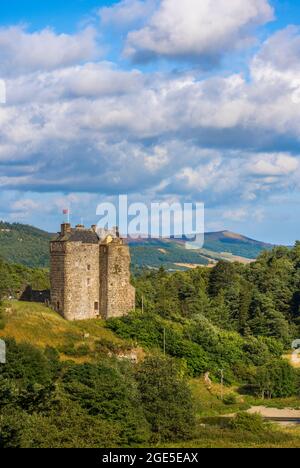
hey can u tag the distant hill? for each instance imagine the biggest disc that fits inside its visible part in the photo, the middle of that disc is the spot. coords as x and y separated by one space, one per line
236 244
173 254
24 244
29 246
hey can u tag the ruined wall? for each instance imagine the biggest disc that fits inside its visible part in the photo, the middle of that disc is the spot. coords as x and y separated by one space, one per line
57 269
116 293
81 292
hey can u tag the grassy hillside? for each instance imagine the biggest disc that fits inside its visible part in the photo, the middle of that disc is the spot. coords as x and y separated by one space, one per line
235 244
40 326
167 253
173 254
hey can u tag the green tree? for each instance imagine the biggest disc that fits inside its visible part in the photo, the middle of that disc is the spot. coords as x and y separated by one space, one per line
221 277
276 379
104 391
166 399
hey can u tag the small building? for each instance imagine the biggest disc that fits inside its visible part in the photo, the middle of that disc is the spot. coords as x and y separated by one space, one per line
89 274
32 295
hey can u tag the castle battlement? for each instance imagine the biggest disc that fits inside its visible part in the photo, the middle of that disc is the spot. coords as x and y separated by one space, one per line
90 274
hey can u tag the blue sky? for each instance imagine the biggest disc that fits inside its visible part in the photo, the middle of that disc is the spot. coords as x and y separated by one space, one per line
63 16
160 99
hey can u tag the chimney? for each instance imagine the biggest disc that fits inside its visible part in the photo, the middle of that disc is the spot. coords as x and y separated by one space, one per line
65 228
116 232
94 227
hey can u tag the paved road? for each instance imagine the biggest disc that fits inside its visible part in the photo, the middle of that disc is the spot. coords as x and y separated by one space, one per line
284 416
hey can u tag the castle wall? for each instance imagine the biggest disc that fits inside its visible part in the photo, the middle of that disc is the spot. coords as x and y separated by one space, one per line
103 249
57 276
90 278
117 294
81 292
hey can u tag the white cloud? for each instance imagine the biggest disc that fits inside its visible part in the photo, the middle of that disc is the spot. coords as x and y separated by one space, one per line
281 52
203 29
244 213
239 214
95 127
273 165
24 208
127 12
23 51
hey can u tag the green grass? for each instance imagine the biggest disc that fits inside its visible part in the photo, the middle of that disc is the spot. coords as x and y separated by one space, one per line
216 437
36 324
209 402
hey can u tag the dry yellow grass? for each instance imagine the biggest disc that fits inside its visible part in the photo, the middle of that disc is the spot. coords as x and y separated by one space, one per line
36 324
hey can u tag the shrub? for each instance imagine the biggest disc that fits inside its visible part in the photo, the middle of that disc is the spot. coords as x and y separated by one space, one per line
230 399
246 422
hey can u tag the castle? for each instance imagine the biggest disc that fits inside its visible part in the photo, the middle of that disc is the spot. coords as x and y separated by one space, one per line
90 274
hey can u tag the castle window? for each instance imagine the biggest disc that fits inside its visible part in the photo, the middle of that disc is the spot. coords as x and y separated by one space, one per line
96 306
88 282
88 267
58 306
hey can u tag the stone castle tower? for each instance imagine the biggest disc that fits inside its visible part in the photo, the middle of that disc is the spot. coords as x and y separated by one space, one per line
90 275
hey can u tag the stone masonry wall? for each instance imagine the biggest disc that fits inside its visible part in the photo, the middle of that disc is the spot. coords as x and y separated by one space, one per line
103 280
57 268
118 295
81 300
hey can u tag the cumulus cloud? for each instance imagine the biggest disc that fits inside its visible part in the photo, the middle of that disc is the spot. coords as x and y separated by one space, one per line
24 205
89 126
273 165
281 51
203 30
238 214
127 12
96 128
23 51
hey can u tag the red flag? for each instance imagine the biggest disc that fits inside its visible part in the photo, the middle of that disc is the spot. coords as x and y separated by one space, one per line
65 211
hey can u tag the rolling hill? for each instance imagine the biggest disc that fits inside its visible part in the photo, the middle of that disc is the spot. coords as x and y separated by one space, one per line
173 254
29 246
236 244
24 244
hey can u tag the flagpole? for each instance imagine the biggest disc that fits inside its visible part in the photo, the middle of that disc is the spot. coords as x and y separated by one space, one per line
66 212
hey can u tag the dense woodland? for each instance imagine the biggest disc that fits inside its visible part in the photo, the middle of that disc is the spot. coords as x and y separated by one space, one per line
24 244
233 317
237 318
15 278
